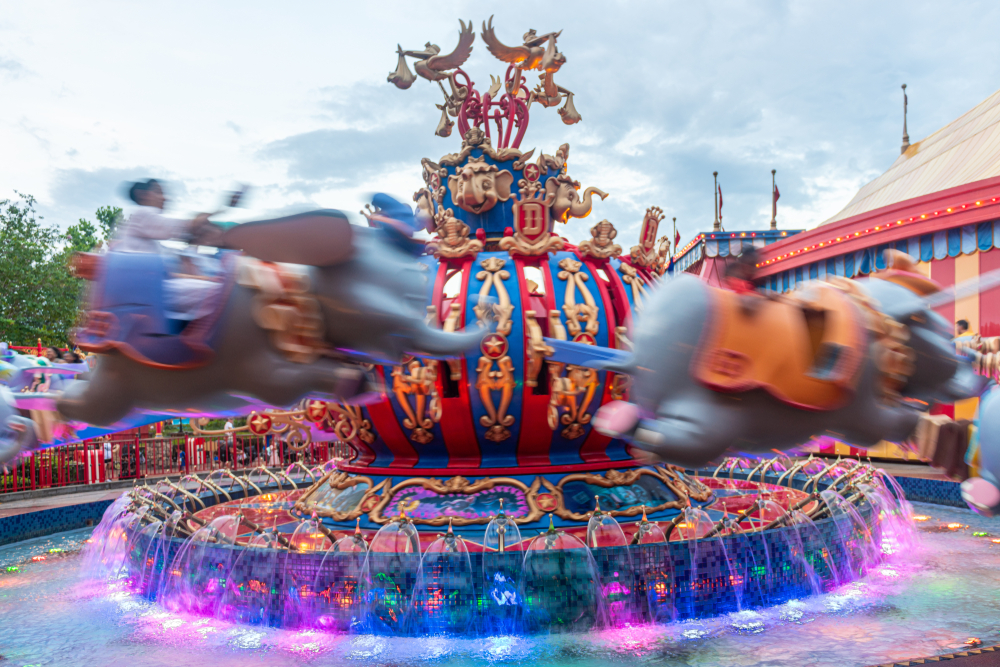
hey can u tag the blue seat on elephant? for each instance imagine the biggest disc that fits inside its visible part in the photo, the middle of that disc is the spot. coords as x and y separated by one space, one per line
127 314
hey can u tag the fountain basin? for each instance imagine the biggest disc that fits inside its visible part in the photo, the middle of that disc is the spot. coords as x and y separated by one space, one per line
527 589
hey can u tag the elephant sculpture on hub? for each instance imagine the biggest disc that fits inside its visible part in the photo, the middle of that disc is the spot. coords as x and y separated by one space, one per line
279 332
568 203
714 370
477 186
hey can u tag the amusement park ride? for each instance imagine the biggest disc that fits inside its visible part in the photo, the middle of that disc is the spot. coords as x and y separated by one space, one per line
500 372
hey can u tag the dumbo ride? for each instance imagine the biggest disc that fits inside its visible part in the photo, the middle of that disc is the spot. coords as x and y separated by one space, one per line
715 371
308 300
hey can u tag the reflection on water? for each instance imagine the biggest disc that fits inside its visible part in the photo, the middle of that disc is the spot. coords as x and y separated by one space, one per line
928 601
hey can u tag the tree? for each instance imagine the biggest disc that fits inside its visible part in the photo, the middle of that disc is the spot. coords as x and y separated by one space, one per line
39 296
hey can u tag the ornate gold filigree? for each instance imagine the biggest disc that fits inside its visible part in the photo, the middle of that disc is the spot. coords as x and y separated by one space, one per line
340 481
455 485
613 478
631 277
349 423
644 254
563 394
585 312
499 378
601 244
492 276
453 240
286 424
420 381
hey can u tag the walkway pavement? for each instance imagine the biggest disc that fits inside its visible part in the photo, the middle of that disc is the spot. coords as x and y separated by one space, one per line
24 506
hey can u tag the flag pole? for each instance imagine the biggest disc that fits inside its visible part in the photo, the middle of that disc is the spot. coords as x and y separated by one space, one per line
717 225
673 239
774 202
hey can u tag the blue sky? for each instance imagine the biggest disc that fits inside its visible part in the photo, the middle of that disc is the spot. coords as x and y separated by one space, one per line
292 99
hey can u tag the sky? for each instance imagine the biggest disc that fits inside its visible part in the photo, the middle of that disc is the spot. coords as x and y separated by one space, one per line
291 98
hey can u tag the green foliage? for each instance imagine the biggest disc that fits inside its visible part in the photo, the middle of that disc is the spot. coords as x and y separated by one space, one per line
39 295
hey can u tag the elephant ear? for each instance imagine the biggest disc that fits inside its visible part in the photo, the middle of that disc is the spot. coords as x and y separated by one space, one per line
318 238
503 181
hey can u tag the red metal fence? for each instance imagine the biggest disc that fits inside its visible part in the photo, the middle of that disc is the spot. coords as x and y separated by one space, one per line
123 458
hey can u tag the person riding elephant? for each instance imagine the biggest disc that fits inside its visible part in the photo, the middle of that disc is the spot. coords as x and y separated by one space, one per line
187 298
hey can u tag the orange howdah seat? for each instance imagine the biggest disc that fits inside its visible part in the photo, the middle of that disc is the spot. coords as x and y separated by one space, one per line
805 350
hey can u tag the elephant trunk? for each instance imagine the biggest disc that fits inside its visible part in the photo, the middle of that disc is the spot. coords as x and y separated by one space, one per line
582 208
438 343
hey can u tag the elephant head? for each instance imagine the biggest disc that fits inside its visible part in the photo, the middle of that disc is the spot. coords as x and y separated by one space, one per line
477 186
568 204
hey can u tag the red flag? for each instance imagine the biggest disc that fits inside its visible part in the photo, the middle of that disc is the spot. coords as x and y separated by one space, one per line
777 195
720 201
677 240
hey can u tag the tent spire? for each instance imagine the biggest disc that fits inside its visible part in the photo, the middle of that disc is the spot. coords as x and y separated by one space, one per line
717 225
906 137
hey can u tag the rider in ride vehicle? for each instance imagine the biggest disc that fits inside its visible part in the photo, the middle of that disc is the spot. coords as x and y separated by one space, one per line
188 297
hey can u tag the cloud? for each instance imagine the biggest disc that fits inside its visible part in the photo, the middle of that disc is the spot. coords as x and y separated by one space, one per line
12 68
77 193
669 92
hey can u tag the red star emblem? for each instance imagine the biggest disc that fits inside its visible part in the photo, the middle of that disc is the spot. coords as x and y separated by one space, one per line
531 172
316 410
494 346
585 338
546 502
260 424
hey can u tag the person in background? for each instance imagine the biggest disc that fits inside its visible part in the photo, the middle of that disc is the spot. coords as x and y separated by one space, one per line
70 357
964 337
108 457
229 440
52 354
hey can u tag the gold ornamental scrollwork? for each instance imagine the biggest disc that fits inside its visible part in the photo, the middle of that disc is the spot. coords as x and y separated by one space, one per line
495 372
614 478
631 277
349 423
495 369
340 481
585 312
492 277
564 393
601 245
286 424
462 486
420 381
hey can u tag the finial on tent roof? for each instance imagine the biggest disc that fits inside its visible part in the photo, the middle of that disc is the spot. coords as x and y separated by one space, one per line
774 201
906 137
717 225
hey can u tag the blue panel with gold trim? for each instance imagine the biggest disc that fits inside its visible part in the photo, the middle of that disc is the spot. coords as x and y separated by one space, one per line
496 370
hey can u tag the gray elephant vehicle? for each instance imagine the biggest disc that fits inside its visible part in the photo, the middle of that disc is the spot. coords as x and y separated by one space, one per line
716 371
306 303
